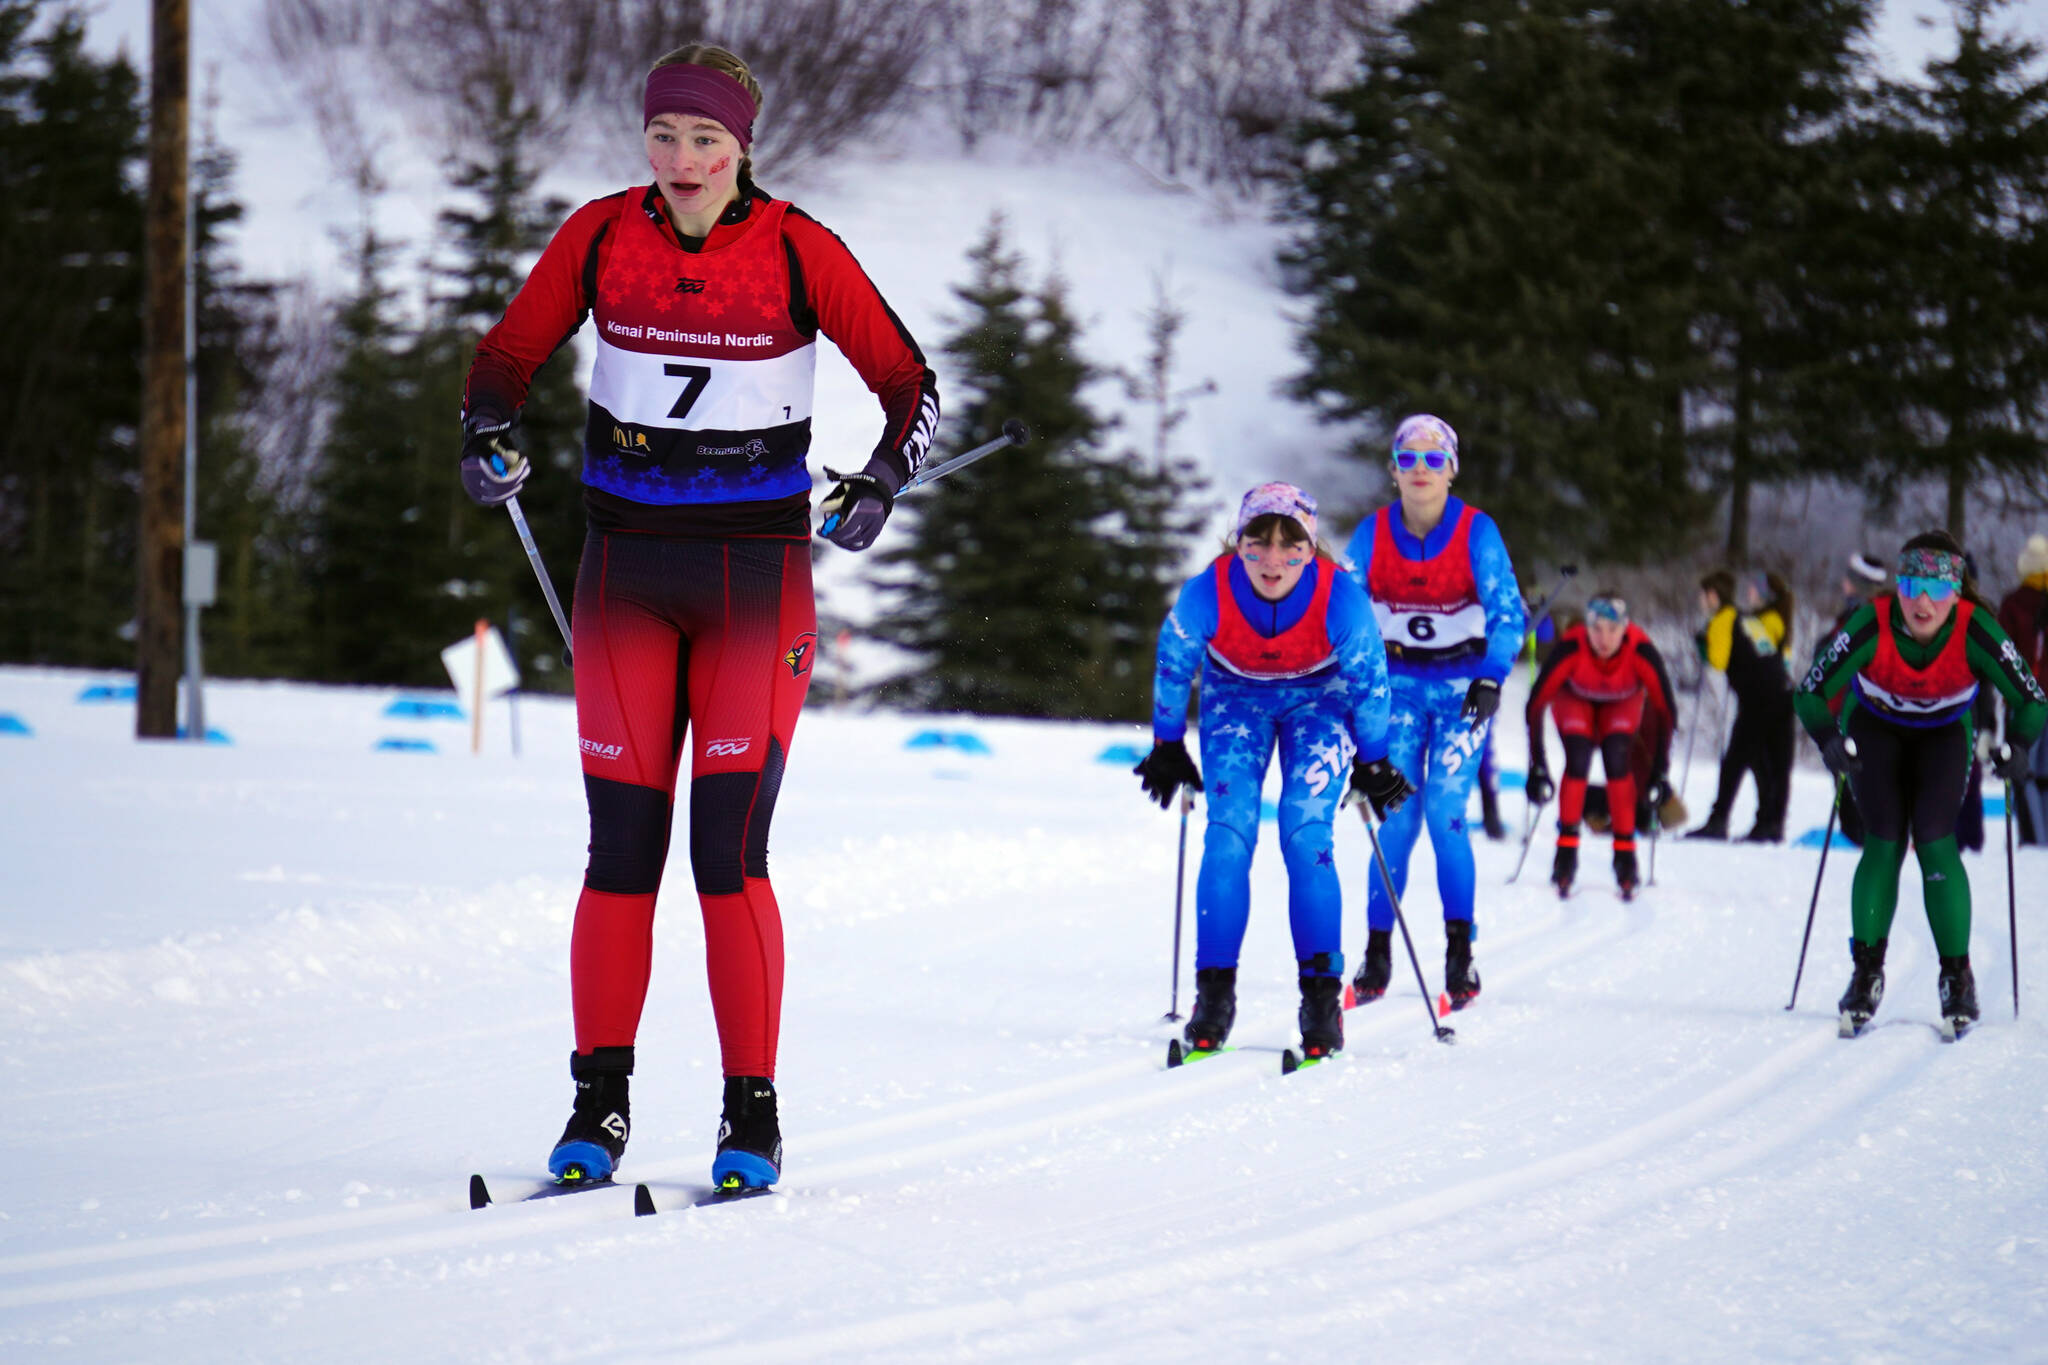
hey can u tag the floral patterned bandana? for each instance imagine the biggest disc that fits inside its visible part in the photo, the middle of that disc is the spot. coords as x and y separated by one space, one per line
1926 563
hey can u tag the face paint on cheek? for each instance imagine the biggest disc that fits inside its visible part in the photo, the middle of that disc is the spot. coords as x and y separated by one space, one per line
718 166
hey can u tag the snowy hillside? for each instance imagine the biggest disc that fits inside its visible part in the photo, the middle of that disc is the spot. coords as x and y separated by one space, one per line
265 1005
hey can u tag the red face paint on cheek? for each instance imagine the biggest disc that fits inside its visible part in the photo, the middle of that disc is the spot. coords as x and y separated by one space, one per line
718 166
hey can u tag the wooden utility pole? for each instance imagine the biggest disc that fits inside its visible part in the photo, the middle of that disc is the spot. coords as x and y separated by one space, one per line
159 566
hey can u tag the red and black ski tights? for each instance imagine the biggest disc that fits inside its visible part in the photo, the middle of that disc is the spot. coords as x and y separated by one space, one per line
709 644
1611 728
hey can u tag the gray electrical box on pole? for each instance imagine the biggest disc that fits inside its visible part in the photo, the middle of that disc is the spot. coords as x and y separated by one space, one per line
201 571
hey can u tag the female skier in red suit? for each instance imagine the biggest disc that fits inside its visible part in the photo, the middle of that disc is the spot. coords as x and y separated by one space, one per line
694 618
1602 683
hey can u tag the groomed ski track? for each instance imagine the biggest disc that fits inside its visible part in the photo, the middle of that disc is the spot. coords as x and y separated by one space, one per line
1632 1148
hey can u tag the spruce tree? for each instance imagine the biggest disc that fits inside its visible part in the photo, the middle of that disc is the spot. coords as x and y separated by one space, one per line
257 626
383 600
1964 216
1481 240
70 342
1033 582
491 236
1745 102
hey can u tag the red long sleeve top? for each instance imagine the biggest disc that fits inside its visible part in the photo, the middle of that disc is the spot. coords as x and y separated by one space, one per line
828 292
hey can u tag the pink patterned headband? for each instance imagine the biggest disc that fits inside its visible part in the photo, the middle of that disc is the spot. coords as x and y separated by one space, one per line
1282 498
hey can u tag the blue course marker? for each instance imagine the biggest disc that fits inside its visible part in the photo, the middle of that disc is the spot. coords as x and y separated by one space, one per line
1127 754
213 736
425 708
965 741
395 745
107 692
11 724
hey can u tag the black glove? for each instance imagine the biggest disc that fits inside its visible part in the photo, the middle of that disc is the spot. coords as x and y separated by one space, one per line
1839 754
1482 699
492 467
1539 787
1380 783
1166 769
2009 761
853 512
1659 792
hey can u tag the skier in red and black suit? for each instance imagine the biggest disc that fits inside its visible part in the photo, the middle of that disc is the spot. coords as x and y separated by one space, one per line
694 617
1605 682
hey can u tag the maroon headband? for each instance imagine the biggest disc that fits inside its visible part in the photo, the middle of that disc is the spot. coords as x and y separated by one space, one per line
680 88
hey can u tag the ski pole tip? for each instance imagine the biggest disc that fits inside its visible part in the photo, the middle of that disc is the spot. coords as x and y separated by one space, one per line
1016 431
1446 1034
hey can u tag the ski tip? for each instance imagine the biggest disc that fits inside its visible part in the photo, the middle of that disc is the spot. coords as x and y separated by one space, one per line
1174 1055
1289 1063
479 1193
1350 996
643 1201
1443 1003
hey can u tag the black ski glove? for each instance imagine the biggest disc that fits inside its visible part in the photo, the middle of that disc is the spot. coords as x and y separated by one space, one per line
1380 783
492 467
1482 699
1660 791
852 513
1539 786
1839 753
1166 769
2009 761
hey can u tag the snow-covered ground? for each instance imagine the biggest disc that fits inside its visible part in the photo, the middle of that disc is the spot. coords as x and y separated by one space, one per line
264 1006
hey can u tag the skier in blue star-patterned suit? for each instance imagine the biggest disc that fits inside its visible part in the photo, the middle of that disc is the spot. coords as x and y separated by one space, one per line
1288 654
1444 594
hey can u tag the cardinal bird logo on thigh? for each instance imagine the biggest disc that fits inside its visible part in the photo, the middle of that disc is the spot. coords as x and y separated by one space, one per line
799 656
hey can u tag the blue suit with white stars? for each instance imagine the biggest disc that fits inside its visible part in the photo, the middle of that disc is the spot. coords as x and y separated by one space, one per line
1317 721
1428 737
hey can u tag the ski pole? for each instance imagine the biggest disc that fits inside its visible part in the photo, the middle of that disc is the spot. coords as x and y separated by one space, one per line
1699 701
1565 574
1015 433
540 571
2012 915
1528 838
1180 872
1827 842
1444 1032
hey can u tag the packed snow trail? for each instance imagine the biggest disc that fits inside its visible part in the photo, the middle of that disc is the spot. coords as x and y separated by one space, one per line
268 1004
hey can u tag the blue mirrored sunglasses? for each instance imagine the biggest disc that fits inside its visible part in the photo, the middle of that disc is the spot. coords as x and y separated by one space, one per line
1936 589
1436 459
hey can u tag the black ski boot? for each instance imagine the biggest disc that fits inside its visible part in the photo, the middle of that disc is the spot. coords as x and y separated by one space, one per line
1461 982
1866 987
1715 828
590 1147
749 1138
1958 997
1322 1007
1378 968
1564 868
1215 1009
1626 877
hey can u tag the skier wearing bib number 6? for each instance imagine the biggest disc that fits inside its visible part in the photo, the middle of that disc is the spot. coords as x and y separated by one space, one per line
1450 611
1288 655
695 629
